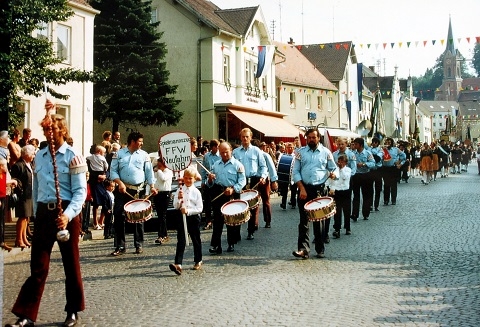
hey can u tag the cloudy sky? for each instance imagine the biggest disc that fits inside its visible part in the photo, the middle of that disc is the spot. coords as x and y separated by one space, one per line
375 22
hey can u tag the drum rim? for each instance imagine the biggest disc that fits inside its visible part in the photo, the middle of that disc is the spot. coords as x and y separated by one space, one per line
320 197
235 200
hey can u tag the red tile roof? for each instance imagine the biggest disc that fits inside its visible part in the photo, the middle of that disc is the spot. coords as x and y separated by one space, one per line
297 70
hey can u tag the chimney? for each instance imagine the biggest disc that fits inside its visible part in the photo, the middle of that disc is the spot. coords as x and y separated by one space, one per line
291 41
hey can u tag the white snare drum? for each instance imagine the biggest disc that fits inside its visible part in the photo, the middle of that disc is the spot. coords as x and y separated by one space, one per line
138 211
236 212
252 197
320 208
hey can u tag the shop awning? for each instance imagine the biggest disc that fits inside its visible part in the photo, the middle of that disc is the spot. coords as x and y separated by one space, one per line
269 125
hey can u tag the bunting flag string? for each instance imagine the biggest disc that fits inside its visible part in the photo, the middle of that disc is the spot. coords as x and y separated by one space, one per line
346 45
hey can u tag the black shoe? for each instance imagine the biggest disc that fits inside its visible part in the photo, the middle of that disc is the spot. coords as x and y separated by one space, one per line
336 234
320 255
118 251
326 240
354 218
267 225
300 254
365 218
22 322
215 250
376 209
284 207
294 207
231 248
385 203
71 320
348 232
250 237
394 203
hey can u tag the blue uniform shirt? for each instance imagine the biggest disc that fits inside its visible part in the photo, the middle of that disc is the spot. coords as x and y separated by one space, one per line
379 152
272 170
253 160
132 168
71 169
229 174
397 155
365 157
352 160
208 160
313 166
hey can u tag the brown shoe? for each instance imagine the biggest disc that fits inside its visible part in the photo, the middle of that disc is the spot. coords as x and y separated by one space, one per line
300 254
176 269
197 265
139 250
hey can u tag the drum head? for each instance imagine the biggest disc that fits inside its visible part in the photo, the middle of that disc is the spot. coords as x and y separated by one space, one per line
318 203
234 207
137 205
248 195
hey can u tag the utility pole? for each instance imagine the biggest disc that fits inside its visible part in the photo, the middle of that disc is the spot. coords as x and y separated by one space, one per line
272 28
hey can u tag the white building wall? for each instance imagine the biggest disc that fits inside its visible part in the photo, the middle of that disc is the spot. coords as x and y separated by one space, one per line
79 112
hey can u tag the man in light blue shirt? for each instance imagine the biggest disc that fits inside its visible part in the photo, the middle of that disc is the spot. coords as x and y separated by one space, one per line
391 171
376 173
256 171
313 165
131 169
362 180
69 170
226 181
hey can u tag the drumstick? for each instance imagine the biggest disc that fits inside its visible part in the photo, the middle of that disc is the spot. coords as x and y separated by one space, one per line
148 197
203 167
255 185
217 196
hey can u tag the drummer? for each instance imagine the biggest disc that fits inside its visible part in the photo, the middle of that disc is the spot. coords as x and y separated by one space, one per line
313 165
131 169
256 171
227 177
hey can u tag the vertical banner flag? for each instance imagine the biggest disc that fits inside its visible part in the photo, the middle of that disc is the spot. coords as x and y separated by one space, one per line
360 84
265 58
328 141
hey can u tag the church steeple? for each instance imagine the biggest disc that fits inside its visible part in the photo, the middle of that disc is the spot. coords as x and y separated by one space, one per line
450 40
452 75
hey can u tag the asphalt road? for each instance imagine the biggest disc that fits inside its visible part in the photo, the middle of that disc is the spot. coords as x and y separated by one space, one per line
413 264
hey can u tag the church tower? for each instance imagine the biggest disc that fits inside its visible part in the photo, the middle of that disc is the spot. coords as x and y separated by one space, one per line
452 76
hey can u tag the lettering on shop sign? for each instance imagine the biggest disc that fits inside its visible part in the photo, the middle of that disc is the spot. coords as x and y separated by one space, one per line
175 150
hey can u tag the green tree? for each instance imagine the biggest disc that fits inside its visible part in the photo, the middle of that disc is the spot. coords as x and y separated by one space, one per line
476 59
26 60
128 49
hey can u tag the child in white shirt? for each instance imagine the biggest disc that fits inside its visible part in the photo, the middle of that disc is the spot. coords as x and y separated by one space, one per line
339 189
188 200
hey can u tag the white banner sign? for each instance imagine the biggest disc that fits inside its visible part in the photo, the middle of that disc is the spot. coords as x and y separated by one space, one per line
175 150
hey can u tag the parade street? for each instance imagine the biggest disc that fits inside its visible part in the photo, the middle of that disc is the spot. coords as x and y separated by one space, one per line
413 264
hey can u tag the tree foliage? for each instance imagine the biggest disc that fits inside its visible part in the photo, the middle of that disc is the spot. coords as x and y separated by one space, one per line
25 60
476 59
128 49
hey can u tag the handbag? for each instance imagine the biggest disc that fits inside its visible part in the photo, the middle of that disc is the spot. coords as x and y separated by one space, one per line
13 200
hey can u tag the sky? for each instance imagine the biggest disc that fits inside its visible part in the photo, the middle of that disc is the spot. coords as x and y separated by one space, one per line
375 22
